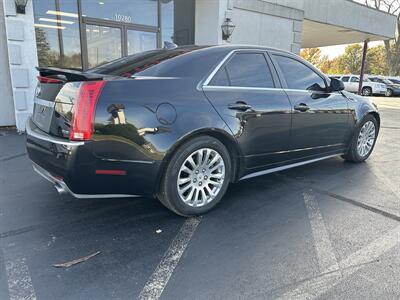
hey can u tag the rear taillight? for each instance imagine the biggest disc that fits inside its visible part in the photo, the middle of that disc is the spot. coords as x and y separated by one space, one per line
84 109
43 79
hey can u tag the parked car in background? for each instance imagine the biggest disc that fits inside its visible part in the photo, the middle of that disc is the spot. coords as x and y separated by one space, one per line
369 88
395 80
182 124
392 88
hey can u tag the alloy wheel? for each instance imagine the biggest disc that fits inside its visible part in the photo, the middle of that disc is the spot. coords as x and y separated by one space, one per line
366 92
366 139
201 177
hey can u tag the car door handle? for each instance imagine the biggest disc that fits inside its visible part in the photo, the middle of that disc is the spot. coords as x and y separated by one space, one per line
239 105
302 107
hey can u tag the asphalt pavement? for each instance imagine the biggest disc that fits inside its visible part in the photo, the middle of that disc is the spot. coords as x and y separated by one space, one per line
328 230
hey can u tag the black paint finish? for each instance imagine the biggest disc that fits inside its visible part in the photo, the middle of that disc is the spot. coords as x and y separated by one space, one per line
141 121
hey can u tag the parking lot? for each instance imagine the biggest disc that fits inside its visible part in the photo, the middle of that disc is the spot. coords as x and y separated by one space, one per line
329 230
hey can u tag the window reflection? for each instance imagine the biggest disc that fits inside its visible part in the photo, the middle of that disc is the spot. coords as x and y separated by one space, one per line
139 41
103 44
126 11
167 21
57 33
298 76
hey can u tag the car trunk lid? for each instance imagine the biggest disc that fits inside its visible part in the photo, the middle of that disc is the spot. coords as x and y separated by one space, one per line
55 96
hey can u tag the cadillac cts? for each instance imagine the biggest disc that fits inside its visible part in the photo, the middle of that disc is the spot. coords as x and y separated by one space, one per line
181 124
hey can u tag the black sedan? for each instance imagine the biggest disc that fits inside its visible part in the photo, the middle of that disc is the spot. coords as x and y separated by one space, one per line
181 124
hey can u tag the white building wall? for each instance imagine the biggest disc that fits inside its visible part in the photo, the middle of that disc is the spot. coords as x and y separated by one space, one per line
22 59
257 22
6 98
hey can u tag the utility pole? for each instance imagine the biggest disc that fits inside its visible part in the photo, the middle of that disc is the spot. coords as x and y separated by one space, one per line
364 58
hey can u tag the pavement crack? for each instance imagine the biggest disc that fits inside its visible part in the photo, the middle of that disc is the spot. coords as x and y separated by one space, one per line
311 185
359 204
5 158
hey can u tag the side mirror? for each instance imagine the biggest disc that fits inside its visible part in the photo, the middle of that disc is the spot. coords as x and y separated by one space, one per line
336 85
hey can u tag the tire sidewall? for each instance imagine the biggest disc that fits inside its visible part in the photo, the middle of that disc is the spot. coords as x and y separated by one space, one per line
357 133
369 93
172 172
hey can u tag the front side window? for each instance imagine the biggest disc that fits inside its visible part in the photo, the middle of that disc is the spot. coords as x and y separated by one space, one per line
345 78
298 76
354 79
245 70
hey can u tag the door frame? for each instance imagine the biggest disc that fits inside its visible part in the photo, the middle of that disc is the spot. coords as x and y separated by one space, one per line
124 27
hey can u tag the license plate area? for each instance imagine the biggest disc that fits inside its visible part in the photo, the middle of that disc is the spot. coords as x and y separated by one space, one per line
43 114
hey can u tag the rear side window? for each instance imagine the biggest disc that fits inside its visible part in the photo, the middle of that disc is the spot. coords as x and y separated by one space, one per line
245 70
298 76
345 78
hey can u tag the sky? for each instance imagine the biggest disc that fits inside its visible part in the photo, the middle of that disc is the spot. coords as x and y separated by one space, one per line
334 51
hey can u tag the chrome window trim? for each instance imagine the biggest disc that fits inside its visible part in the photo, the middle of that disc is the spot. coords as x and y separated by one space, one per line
205 84
219 87
281 168
241 88
207 81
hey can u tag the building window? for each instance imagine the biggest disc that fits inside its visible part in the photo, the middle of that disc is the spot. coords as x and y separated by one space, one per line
144 12
167 21
107 29
57 33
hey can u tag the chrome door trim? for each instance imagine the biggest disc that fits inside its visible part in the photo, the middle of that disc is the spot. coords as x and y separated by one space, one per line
281 168
239 88
300 149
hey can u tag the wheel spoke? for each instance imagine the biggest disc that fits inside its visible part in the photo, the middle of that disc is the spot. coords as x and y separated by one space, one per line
201 177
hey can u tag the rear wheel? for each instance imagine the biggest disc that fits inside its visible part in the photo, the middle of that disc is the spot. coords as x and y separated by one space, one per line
389 93
363 141
197 177
366 91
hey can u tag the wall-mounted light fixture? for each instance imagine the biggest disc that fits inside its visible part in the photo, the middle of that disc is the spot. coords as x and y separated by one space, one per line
227 29
20 6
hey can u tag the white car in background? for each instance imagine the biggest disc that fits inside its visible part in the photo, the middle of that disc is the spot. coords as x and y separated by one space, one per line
369 87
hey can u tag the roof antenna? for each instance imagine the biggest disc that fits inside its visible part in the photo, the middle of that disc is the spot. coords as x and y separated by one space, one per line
170 45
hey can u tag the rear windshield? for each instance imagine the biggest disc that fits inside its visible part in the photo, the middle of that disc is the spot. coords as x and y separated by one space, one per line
133 64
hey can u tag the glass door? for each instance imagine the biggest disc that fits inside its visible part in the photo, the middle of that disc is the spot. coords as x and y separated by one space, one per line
139 41
106 40
103 44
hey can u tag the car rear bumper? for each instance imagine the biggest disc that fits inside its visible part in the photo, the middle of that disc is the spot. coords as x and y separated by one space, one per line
73 168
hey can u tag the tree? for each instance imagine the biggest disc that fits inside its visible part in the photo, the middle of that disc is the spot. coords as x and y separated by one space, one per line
313 55
392 47
46 56
350 61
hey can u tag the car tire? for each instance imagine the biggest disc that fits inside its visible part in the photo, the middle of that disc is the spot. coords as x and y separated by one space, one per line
389 93
363 141
193 183
366 91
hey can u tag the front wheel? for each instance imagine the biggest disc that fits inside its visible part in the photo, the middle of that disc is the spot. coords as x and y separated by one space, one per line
389 93
366 91
363 141
196 177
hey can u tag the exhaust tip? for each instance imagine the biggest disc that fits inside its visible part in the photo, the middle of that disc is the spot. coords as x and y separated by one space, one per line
60 189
